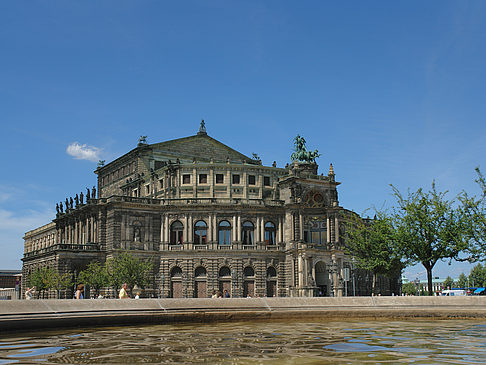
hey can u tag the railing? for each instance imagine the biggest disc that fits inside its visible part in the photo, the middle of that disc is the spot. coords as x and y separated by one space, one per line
8 293
200 247
64 247
225 247
132 199
222 201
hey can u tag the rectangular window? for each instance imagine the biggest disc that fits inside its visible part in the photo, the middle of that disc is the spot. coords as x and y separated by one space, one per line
186 179
147 189
266 180
219 178
161 184
203 178
251 179
236 179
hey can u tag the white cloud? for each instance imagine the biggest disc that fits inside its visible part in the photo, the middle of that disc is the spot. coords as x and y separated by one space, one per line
84 152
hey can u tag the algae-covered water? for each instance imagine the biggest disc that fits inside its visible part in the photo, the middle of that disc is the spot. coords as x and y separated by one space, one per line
274 342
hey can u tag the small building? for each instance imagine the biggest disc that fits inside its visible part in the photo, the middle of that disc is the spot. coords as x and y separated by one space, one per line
10 284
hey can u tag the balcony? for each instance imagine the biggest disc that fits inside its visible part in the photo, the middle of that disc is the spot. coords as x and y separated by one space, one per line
88 247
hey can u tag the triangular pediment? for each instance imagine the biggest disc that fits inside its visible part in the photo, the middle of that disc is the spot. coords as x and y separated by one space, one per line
200 147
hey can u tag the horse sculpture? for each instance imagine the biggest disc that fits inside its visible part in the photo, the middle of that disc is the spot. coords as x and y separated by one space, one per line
301 153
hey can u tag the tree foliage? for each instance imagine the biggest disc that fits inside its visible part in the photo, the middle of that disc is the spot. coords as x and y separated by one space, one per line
429 228
474 209
477 276
125 268
59 282
372 244
95 276
461 281
448 283
409 289
41 278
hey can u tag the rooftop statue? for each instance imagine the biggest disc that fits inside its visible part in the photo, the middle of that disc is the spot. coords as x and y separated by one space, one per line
142 140
301 154
202 127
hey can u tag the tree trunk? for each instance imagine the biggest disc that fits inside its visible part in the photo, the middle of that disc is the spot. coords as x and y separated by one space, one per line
429 280
373 288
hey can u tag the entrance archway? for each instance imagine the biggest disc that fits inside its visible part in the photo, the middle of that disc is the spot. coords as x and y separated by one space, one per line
200 284
322 279
249 282
271 282
176 282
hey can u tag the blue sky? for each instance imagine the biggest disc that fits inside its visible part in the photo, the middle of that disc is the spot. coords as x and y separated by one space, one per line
389 92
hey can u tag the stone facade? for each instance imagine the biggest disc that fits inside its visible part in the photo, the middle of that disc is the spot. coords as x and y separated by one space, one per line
210 218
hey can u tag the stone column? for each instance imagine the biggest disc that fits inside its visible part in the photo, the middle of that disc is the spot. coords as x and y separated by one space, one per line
301 227
185 222
238 229
92 238
328 231
336 230
190 229
300 270
233 240
166 228
292 227
162 225
210 229
280 233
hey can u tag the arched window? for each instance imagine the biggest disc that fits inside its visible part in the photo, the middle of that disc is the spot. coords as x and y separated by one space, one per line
224 271
176 272
176 233
200 232
270 233
271 272
247 233
248 271
224 230
200 272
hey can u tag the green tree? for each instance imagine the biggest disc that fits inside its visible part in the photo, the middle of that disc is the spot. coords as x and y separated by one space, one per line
372 243
477 277
125 268
448 283
95 276
59 282
429 228
461 281
41 278
474 210
409 289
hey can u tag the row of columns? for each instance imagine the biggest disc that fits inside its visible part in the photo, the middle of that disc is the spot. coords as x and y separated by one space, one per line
332 229
81 231
212 228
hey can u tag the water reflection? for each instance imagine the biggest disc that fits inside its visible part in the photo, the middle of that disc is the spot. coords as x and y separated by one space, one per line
353 342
